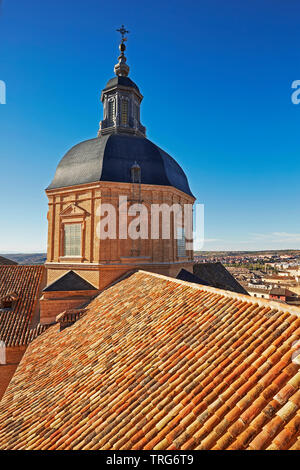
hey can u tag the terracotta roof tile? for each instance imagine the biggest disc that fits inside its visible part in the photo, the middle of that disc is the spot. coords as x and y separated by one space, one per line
16 323
158 363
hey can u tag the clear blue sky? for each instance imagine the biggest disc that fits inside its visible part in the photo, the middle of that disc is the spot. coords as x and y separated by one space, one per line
216 77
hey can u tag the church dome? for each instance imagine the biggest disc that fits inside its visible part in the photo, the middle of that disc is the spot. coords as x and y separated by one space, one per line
110 158
121 142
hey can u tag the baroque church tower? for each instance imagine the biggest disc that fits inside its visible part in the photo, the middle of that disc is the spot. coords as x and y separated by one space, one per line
119 169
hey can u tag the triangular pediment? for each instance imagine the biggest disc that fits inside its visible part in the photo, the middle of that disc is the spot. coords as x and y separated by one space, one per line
73 210
70 281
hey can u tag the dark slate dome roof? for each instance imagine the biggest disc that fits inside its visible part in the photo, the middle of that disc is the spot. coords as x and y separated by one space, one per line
110 158
123 81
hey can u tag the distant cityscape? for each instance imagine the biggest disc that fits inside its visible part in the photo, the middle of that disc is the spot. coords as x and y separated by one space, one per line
273 275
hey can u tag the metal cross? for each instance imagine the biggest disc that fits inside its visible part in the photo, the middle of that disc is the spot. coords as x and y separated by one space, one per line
123 31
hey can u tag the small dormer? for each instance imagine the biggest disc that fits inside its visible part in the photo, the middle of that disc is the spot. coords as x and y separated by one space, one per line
69 317
8 300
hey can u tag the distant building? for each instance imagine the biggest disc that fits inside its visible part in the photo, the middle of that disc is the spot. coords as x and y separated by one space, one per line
283 294
258 292
279 280
256 284
294 271
295 289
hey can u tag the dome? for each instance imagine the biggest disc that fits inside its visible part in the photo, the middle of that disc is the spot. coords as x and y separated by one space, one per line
121 81
110 158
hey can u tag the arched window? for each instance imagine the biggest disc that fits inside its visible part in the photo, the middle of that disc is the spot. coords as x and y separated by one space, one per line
135 173
111 111
124 112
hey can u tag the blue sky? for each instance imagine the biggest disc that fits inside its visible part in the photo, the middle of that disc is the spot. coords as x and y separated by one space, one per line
216 78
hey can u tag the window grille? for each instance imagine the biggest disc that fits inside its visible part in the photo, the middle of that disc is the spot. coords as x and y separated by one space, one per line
72 240
181 252
124 112
111 111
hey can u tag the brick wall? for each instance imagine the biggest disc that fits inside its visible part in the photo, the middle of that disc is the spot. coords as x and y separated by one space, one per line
53 303
104 261
97 254
13 357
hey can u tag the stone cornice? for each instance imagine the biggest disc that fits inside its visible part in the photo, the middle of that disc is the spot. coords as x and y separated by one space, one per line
117 185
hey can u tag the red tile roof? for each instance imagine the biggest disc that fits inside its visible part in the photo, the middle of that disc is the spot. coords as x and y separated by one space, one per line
158 363
15 324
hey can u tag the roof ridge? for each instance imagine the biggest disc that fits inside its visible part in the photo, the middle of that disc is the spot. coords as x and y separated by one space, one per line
234 295
22 265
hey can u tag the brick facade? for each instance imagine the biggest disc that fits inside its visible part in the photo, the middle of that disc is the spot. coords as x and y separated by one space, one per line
13 357
53 303
103 261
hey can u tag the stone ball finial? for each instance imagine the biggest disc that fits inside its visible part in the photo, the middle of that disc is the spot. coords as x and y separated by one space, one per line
122 68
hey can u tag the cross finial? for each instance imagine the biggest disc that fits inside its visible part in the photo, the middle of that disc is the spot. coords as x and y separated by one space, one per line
122 68
123 31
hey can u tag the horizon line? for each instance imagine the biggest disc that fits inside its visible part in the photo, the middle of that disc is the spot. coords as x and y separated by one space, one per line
264 250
